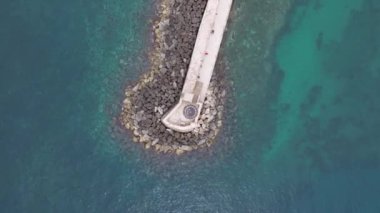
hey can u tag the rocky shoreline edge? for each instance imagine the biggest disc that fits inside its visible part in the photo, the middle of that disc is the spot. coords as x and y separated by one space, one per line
174 34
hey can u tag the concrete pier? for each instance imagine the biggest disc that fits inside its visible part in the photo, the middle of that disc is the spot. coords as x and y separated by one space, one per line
183 117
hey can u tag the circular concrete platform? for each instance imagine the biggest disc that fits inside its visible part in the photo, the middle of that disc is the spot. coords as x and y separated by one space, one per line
190 111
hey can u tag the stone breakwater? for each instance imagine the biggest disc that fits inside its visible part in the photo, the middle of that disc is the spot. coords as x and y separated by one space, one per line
159 89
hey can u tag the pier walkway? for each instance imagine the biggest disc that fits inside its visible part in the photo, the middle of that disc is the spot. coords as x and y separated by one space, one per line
183 117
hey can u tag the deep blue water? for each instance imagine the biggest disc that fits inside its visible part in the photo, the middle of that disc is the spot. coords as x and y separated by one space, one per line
306 138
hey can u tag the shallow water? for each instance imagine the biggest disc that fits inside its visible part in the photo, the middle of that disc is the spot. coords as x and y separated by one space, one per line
303 133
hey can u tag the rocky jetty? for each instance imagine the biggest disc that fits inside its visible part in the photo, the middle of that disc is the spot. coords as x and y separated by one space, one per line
159 89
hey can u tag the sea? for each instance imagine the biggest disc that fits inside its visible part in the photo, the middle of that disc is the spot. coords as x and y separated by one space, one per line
305 141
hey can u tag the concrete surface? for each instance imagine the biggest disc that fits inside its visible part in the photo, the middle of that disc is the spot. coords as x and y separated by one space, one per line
205 53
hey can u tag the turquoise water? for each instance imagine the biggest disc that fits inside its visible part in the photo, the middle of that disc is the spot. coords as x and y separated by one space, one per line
303 137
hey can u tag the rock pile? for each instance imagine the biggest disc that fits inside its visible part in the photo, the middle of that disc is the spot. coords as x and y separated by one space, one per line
157 91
